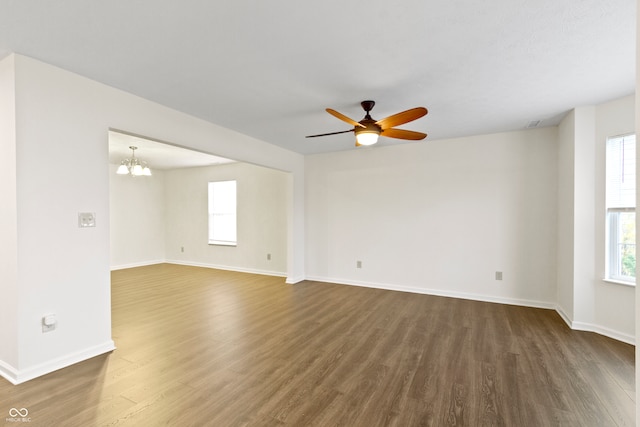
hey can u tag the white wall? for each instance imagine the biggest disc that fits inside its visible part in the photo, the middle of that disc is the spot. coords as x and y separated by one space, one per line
62 117
62 268
439 217
583 216
137 219
262 218
565 236
8 218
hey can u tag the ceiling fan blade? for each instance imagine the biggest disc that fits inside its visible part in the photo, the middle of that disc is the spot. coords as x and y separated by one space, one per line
403 134
344 118
402 118
326 134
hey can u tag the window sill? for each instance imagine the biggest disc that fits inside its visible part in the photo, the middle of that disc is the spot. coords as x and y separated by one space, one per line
620 282
218 243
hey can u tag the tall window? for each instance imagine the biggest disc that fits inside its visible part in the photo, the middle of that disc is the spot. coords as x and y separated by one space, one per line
222 213
621 208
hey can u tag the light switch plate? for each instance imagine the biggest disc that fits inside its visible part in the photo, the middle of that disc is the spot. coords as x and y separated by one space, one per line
86 219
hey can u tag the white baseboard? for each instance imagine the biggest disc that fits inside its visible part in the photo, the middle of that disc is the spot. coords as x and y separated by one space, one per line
598 329
564 316
16 377
136 264
8 372
439 292
227 268
616 335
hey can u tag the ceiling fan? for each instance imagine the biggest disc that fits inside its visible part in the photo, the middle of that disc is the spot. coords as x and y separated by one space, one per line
368 130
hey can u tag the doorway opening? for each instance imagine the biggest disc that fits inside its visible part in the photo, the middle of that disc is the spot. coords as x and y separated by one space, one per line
163 218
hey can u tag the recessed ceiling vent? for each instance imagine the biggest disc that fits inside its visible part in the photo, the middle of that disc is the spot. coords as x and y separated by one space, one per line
534 124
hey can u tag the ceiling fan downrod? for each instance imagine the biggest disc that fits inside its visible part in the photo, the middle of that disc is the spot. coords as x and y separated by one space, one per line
368 106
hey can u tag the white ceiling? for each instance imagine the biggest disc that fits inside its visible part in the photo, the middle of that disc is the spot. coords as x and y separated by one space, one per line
269 68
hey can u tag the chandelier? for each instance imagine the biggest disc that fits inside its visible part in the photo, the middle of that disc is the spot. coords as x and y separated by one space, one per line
133 166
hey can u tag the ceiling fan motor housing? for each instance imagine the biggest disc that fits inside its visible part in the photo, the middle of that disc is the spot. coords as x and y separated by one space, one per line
370 125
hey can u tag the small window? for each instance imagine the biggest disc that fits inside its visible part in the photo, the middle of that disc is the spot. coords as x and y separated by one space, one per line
222 213
621 208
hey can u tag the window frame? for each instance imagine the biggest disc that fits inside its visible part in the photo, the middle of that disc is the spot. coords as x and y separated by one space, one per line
614 260
218 239
613 226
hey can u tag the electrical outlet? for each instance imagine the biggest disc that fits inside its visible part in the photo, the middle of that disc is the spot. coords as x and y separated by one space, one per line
268 257
358 264
181 248
86 219
498 275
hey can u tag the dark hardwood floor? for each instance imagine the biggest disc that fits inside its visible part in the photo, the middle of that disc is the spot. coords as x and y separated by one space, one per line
202 347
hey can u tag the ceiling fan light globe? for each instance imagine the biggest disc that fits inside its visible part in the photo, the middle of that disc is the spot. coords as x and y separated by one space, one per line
367 138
